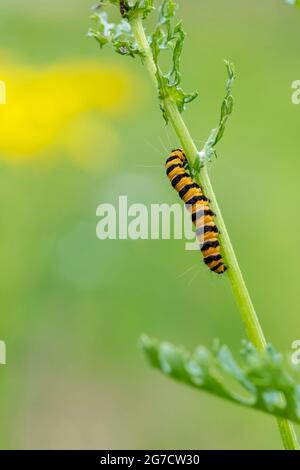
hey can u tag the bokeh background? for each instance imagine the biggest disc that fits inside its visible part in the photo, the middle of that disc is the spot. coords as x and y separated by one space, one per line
81 127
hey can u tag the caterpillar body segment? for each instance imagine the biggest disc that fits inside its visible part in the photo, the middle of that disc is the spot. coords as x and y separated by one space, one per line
203 217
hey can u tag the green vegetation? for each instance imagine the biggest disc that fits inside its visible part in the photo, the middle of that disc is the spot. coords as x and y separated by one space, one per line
132 40
262 378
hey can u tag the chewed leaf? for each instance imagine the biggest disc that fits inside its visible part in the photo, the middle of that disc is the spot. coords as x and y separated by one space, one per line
267 383
167 11
167 37
119 36
216 134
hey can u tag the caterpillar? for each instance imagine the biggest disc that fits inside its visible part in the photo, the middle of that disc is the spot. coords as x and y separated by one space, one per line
203 217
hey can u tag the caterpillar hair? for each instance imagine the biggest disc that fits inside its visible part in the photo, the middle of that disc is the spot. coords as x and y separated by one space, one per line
203 217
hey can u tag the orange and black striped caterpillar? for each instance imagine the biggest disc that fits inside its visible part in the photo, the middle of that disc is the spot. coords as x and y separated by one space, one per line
203 217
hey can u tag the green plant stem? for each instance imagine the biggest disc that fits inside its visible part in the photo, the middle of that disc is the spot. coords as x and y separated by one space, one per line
239 288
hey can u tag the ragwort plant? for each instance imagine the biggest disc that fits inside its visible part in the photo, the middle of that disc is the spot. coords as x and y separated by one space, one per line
270 385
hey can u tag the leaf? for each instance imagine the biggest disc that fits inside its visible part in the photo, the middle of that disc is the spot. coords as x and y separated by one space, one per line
226 110
131 8
262 382
119 36
167 11
167 37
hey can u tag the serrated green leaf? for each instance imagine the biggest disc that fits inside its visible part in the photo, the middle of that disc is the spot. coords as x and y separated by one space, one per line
167 37
266 383
167 11
216 134
119 36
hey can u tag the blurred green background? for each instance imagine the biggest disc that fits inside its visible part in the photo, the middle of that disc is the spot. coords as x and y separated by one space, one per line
82 127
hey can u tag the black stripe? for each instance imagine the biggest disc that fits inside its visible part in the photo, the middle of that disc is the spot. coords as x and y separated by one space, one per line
172 167
210 244
210 259
195 199
170 159
178 178
186 188
180 151
202 212
182 156
206 228
218 266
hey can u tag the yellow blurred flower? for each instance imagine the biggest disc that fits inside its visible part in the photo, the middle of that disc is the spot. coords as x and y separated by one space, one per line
41 105
92 144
